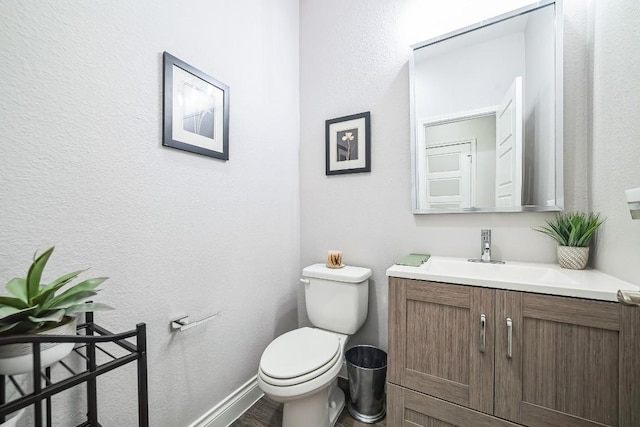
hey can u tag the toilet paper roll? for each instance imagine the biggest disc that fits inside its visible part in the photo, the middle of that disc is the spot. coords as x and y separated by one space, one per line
334 259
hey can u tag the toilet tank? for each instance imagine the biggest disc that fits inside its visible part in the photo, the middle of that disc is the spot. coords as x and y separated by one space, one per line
337 299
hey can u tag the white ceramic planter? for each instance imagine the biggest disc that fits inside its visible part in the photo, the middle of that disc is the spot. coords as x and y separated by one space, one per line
18 358
573 257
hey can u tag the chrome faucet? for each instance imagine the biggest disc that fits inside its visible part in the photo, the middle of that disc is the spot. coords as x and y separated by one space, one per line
486 252
485 241
485 249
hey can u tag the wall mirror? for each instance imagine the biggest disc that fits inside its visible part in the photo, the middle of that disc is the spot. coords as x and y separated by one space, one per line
486 115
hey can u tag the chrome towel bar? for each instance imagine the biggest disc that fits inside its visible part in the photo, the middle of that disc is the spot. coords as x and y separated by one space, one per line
183 323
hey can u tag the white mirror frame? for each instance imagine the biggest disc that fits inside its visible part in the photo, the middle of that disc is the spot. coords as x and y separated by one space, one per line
559 109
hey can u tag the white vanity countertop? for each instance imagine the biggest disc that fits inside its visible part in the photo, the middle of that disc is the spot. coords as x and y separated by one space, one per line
517 276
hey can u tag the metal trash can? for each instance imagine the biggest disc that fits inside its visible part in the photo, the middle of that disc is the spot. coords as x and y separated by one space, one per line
367 372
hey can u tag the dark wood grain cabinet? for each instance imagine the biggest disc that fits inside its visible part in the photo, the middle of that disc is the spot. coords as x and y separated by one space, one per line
471 356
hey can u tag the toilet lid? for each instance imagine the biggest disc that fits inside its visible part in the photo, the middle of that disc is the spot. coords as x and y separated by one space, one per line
299 352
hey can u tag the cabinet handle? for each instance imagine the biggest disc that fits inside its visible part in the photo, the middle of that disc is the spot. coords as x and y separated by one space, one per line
483 333
509 338
631 298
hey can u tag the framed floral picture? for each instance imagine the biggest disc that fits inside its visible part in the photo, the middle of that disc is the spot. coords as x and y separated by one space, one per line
196 110
348 144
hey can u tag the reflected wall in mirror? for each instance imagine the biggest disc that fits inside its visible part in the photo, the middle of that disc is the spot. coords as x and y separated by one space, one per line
486 105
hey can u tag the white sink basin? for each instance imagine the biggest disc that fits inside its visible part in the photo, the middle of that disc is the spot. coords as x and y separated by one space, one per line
518 276
508 272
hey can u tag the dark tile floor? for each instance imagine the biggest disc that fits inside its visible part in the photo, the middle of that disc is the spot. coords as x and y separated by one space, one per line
267 413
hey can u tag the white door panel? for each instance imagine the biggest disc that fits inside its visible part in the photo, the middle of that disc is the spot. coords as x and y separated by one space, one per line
509 122
449 177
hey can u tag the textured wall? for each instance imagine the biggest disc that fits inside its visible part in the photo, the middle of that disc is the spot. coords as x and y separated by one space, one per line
82 168
615 133
354 58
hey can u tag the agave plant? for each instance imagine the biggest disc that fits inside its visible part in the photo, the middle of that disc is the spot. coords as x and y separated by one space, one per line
35 307
572 229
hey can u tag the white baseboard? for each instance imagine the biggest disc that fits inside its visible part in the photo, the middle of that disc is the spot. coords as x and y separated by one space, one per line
230 409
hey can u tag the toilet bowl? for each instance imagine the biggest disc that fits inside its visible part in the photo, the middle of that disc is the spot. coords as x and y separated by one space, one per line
300 368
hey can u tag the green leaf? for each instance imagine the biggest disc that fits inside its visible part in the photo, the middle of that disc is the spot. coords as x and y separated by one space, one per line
7 310
66 300
87 285
4 328
47 292
35 274
554 231
83 308
574 233
13 302
61 281
18 288
572 229
593 222
33 305
18 315
55 316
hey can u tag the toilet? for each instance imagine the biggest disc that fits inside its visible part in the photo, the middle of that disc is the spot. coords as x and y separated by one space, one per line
300 368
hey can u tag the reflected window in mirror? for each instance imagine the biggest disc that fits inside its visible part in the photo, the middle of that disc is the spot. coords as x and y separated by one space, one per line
487 115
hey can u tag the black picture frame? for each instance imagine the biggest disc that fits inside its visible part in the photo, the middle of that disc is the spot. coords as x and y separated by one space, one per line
348 144
195 110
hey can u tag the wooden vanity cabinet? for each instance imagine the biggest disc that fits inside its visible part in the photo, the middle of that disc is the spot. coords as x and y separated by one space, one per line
455 361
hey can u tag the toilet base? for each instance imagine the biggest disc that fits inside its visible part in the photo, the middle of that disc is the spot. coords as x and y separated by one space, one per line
336 403
320 409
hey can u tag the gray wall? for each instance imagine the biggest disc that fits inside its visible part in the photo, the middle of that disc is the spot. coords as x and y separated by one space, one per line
614 133
82 168
355 58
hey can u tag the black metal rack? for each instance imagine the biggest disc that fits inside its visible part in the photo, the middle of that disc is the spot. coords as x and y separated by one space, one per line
88 345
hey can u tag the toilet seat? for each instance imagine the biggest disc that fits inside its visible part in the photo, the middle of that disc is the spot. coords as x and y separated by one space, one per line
302 378
299 356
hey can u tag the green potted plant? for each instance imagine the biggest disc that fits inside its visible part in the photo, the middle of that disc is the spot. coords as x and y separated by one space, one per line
573 231
35 308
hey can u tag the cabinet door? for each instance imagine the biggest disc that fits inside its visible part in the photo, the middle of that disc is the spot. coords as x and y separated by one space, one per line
438 344
567 362
411 409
